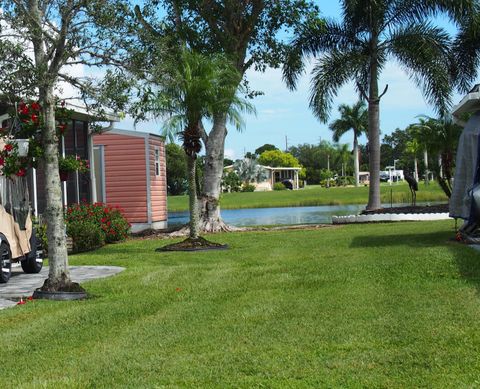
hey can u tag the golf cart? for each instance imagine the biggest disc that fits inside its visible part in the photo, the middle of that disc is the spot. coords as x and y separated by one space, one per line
18 241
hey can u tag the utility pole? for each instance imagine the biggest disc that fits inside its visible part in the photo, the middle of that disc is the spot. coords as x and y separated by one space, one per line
328 170
286 144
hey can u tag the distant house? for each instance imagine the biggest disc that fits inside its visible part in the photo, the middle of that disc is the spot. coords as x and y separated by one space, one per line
130 172
286 175
364 178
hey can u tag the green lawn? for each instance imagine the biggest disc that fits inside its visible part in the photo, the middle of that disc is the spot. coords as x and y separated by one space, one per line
316 195
384 305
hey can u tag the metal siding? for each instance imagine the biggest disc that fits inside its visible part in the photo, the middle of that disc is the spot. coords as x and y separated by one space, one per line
125 174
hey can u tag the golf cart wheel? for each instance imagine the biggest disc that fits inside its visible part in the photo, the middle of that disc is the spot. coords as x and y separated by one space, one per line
5 263
33 262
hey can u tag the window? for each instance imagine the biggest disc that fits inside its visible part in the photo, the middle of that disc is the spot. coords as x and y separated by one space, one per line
157 161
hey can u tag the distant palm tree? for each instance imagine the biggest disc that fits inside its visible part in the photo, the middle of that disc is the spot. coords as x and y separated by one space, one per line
413 147
354 118
422 132
249 170
358 48
343 157
440 136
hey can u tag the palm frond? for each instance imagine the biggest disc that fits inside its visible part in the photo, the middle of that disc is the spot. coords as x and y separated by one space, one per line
422 50
311 40
331 72
466 53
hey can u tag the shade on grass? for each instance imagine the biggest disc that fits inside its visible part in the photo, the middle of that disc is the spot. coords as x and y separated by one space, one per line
385 305
316 195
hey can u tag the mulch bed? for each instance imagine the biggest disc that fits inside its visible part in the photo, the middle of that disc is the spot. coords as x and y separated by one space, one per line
437 208
189 244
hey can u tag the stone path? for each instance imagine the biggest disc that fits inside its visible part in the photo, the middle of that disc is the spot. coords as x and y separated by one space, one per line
23 285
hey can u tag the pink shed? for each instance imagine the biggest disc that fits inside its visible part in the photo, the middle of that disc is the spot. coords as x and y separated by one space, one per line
130 171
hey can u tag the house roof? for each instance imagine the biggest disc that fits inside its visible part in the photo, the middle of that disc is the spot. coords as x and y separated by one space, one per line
137 134
281 168
83 113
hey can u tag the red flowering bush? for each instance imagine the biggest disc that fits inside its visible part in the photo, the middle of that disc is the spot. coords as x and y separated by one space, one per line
27 124
109 219
11 163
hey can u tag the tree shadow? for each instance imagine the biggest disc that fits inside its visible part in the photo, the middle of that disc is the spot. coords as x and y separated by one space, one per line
467 259
413 240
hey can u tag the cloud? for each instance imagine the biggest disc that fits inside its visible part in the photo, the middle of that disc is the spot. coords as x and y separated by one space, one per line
230 154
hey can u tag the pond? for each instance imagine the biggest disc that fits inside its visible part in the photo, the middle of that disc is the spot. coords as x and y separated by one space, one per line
271 216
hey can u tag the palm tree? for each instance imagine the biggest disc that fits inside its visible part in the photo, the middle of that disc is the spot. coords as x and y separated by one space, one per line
342 157
358 48
353 118
249 170
422 132
413 147
194 87
441 137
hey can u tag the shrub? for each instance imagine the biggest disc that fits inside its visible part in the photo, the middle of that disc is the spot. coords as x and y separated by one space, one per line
248 188
279 186
109 219
231 182
345 180
41 234
86 235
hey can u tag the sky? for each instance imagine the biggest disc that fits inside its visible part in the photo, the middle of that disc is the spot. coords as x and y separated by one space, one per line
284 119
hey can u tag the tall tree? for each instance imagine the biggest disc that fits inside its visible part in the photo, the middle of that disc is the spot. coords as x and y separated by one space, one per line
352 118
358 47
189 88
247 32
60 34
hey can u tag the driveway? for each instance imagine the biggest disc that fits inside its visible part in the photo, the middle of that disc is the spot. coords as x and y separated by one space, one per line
23 285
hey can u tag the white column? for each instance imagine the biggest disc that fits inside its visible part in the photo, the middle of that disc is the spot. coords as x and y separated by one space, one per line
64 182
35 199
296 179
91 159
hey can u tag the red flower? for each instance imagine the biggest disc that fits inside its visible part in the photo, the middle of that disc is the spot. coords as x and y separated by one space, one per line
23 108
35 106
2 161
8 147
21 172
34 118
62 127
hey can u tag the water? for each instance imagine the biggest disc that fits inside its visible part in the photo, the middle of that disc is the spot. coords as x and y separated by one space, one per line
272 216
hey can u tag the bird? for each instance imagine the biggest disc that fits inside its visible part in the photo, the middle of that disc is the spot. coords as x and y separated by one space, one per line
413 184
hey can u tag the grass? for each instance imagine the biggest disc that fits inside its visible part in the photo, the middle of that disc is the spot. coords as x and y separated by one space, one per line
384 305
315 195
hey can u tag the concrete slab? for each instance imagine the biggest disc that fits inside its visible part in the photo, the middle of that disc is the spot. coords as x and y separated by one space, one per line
23 285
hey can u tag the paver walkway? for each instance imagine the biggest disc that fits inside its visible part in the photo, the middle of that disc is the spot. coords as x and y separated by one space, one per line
23 285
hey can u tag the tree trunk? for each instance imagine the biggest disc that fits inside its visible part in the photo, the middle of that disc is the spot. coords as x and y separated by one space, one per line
374 134
415 168
211 220
58 276
440 165
425 161
356 161
192 196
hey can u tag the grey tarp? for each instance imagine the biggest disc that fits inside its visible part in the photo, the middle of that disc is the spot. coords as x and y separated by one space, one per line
465 168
